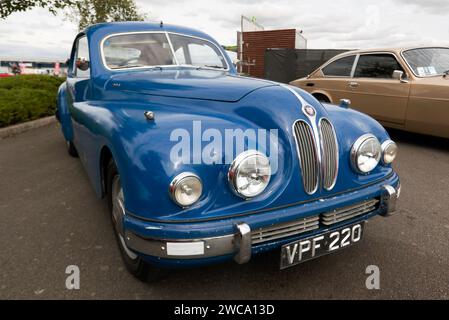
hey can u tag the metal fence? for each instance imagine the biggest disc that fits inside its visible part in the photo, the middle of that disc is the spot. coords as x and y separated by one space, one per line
285 65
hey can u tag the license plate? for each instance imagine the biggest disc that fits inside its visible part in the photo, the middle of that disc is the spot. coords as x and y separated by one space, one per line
313 247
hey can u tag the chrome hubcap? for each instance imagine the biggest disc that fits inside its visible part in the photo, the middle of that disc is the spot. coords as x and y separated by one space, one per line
118 213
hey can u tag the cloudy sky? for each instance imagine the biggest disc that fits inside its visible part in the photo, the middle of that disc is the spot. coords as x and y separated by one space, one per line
325 23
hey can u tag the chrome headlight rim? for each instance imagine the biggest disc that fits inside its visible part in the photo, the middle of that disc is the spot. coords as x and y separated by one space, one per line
234 167
385 145
174 184
356 148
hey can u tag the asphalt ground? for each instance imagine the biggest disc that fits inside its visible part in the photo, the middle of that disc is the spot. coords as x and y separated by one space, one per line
50 219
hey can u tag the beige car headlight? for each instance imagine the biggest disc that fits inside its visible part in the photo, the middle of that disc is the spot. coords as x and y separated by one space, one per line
249 174
186 189
366 153
389 151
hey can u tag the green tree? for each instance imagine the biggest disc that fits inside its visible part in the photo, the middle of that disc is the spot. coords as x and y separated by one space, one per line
87 12
83 12
8 7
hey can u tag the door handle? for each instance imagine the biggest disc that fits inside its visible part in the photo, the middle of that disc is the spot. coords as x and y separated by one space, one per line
353 84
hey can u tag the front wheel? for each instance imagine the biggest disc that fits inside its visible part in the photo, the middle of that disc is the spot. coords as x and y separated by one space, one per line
135 265
71 149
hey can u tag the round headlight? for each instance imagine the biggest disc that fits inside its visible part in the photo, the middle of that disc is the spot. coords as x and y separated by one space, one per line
249 174
366 153
389 151
185 189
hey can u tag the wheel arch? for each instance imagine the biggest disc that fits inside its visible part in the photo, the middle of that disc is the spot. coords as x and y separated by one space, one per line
319 93
105 157
63 113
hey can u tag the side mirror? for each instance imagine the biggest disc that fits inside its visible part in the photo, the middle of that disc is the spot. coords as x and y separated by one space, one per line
236 62
399 75
345 103
82 64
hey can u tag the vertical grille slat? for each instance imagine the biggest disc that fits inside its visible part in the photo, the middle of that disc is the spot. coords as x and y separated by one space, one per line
307 155
313 167
330 154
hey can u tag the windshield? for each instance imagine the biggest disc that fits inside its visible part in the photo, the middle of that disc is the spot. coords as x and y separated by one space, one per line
139 50
427 62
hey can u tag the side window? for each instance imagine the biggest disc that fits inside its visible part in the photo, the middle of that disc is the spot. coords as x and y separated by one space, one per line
339 68
376 66
197 52
180 55
203 54
82 60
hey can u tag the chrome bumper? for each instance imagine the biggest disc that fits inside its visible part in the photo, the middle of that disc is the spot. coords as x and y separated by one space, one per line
389 198
238 243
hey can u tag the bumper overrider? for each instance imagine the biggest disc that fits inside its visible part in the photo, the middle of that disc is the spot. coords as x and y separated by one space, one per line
242 237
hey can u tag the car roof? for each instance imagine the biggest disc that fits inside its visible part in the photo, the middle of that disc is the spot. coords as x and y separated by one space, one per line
107 28
392 50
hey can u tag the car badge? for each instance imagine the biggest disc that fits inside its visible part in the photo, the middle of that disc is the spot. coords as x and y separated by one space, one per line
310 111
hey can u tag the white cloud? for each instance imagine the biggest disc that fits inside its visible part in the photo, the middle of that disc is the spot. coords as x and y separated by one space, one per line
326 23
36 34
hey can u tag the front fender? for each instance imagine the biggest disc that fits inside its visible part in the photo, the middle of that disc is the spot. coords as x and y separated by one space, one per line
142 149
63 113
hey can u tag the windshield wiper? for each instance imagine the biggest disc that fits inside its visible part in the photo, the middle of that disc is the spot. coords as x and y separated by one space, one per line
215 67
126 66
201 67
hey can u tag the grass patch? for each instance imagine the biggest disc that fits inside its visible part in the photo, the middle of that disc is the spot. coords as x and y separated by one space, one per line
27 97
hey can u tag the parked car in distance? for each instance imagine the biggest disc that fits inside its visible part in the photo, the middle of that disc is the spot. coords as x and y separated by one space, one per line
144 107
406 89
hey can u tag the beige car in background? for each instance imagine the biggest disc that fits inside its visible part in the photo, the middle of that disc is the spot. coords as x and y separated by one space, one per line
402 88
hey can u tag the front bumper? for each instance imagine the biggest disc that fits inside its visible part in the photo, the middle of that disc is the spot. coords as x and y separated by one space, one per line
238 243
203 242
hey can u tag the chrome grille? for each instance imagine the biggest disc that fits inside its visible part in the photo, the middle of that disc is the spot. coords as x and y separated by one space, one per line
308 155
330 154
349 212
284 230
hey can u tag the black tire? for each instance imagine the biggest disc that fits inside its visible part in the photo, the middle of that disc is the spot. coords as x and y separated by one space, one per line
71 149
135 265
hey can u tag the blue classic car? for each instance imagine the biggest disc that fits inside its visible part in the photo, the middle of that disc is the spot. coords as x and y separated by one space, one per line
200 165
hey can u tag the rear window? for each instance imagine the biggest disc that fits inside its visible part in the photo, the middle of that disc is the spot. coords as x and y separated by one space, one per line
339 68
